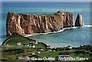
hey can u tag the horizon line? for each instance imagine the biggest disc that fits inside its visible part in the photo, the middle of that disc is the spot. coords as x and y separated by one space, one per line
79 1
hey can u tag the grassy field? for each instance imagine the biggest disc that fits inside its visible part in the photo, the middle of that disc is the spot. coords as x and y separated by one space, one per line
9 52
14 40
13 51
86 55
49 54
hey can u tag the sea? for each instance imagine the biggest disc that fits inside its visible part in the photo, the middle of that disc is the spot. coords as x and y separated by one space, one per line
74 36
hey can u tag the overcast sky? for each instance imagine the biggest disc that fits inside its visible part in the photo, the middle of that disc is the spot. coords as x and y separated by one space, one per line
52 0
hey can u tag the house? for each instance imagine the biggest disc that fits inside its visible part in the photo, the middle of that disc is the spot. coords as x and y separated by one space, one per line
18 43
25 44
52 50
38 52
69 47
33 42
63 55
33 53
27 58
7 45
21 57
41 49
33 46
2 46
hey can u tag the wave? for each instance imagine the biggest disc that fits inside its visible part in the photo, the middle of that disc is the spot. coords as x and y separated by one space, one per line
87 25
34 34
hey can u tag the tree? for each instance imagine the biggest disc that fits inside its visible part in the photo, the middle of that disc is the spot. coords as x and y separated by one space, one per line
56 58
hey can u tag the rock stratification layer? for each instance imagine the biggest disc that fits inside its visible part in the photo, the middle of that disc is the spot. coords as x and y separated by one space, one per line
79 21
38 23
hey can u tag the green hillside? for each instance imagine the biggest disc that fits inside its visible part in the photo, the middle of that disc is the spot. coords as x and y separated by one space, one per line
14 39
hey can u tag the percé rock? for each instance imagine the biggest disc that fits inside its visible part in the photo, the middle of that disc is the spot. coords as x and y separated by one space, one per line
79 21
24 24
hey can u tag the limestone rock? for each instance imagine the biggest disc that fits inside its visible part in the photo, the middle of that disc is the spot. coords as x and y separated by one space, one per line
79 21
32 23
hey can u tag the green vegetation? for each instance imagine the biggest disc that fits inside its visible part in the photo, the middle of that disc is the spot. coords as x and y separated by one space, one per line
49 54
12 51
12 40
15 40
86 55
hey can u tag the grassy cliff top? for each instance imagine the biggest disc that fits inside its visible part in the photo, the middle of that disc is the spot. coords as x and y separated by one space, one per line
12 40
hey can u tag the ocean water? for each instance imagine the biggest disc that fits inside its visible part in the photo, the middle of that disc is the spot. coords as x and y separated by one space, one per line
73 36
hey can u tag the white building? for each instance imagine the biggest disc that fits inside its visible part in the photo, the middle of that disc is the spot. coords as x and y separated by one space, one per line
63 55
19 43
33 53
38 52
33 46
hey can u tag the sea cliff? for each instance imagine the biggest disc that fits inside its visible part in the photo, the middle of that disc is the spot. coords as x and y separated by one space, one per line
24 24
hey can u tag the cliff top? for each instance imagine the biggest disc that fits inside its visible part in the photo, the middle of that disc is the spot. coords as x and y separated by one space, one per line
54 14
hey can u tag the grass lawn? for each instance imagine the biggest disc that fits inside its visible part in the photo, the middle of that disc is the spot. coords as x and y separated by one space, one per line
49 54
14 40
86 55
54 54
39 45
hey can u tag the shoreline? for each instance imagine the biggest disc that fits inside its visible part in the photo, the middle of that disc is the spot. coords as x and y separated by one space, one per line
54 45
34 34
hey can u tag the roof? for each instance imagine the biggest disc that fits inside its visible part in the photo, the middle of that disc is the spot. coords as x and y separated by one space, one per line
32 40
25 44
18 42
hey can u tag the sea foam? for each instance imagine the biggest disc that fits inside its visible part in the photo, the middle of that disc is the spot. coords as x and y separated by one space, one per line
87 25
56 31
34 34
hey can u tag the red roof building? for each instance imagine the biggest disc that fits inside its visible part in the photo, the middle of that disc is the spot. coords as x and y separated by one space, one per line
33 41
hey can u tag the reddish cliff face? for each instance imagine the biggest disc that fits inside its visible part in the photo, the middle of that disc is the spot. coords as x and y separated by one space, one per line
79 21
32 23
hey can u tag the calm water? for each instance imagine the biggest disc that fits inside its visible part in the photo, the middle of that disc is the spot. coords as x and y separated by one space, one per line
74 37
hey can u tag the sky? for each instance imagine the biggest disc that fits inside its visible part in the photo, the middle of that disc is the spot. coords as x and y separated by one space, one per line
49 0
